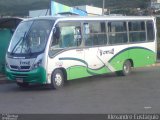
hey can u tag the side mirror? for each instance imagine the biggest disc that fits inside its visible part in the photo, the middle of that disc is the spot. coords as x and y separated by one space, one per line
56 32
12 30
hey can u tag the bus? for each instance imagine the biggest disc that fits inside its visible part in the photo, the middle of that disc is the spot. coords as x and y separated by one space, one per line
53 50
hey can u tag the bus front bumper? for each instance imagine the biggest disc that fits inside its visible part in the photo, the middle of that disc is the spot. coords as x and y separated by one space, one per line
34 76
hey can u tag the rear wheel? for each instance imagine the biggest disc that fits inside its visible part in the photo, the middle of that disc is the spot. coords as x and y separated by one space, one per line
23 85
57 79
126 69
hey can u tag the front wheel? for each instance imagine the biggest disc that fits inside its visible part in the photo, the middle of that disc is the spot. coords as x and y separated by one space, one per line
126 70
57 79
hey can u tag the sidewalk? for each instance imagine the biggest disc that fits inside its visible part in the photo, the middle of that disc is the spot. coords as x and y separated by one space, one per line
3 79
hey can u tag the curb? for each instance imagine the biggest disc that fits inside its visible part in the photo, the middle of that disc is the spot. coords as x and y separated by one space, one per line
3 78
156 64
5 82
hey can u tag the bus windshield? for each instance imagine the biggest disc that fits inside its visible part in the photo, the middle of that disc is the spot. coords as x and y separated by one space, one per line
30 37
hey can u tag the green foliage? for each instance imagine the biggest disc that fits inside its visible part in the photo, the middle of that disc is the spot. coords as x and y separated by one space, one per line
21 7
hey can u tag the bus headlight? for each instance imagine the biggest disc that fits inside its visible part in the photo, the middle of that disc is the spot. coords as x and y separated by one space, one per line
37 64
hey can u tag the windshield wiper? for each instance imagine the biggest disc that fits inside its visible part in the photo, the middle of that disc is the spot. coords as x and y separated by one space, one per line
16 45
22 38
29 48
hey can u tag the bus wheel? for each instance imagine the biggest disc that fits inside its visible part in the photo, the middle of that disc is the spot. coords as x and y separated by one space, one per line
23 85
57 79
126 69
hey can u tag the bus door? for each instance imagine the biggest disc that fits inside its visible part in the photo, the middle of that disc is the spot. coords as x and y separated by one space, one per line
95 37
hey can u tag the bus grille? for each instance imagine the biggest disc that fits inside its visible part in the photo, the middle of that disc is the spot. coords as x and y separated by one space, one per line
23 68
20 75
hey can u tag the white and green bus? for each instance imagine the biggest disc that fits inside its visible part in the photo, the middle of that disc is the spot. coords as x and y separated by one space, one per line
52 50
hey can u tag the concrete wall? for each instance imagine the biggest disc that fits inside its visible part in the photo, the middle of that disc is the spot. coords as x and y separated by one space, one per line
91 10
37 13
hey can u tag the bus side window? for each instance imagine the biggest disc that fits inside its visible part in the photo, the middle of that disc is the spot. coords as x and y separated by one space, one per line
77 35
95 33
55 41
137 31
55 38
117 32
71 36
67 34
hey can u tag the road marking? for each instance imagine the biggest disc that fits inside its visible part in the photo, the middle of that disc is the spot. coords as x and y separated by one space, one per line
147 108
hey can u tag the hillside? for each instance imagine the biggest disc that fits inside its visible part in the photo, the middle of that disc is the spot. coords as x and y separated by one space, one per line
21 7
109 3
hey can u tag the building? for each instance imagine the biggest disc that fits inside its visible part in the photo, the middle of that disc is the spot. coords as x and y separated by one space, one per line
90 10
155 4
7 27
37 13
57 8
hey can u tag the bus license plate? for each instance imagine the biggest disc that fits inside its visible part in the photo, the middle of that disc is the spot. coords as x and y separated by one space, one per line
20 80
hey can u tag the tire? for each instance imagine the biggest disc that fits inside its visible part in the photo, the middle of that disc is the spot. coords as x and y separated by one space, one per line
126 70
23 85
57 79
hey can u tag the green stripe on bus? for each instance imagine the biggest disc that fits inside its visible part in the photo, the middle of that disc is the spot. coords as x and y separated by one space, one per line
35 76
145 57
139 56
82 71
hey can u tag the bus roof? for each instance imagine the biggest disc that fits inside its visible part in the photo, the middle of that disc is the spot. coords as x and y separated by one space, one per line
94 18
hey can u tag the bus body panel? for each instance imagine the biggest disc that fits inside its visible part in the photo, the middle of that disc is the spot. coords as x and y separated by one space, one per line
21 69
101 60
34 76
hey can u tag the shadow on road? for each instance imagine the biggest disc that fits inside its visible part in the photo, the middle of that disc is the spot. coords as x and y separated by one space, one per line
68 85
79 82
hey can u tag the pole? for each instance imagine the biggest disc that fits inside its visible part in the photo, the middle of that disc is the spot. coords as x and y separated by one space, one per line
103 7
50 7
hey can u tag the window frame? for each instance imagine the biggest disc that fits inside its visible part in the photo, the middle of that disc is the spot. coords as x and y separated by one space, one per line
108 33
71 23
83 45
102 33
145 31
154 37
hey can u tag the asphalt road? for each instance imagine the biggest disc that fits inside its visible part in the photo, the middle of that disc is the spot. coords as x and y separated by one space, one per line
136 93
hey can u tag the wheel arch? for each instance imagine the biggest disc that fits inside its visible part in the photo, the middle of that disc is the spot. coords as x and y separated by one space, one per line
131 61
63 71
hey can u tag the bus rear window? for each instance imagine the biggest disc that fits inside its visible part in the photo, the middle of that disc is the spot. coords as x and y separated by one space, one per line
150 31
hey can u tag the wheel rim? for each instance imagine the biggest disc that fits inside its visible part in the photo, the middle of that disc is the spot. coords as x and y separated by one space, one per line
58 79
126 68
